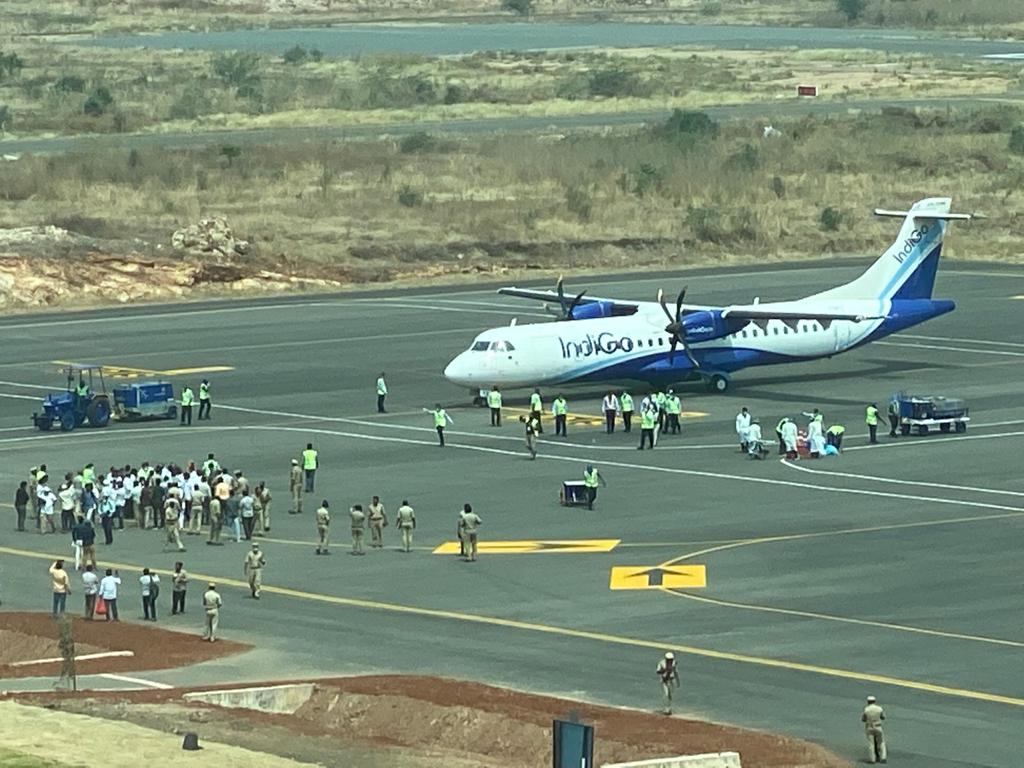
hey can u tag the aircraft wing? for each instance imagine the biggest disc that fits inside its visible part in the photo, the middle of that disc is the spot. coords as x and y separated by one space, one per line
754 312
619 307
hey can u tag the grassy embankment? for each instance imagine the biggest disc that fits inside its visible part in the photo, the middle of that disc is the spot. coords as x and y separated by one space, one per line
995 18
673 195
55 90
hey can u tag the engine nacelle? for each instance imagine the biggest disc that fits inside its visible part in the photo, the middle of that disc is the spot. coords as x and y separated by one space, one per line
593 310
705 325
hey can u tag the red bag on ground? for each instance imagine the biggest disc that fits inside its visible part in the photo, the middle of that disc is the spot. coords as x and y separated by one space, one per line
101 606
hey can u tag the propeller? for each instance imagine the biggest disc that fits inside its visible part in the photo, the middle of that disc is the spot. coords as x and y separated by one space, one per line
675 327
566 306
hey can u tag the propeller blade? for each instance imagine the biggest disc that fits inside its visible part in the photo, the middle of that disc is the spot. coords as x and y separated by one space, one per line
664 307
672 349
679 302
572 305
689 354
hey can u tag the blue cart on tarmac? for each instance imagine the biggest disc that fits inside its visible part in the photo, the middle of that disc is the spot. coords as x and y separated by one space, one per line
85 401
922 414
145 400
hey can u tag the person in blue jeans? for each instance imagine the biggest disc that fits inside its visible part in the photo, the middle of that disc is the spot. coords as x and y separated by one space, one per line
61 587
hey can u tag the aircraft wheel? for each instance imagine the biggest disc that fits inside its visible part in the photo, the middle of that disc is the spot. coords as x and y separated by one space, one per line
718 382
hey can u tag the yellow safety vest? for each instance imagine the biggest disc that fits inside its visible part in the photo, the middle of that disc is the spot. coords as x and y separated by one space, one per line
648 419
590 479
559 406
494 399
187 397
440 417
871 416
204 391
309 459
626 401
535 402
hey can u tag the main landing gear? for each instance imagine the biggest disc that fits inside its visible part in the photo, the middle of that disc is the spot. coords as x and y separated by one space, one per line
717 382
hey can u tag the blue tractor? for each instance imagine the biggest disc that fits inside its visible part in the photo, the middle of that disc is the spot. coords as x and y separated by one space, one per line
82 404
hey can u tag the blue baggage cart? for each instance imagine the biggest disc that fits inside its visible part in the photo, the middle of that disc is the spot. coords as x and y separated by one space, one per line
145 400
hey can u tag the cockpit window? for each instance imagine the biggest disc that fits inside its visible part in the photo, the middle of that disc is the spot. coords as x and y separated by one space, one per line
502 346
480 346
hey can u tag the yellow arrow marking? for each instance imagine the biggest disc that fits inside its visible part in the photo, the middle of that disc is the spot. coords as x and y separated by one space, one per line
126 372
579 546
656 577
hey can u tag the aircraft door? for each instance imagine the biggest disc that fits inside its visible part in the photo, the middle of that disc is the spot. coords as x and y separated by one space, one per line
841 329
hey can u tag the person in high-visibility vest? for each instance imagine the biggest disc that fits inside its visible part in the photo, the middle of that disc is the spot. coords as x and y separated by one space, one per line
441 420
894 417
660 399
648 421
834 436
591 478
204 400
673 409
187 399
536 408
494 403
871 419
382 392
559 409
626 404
310 464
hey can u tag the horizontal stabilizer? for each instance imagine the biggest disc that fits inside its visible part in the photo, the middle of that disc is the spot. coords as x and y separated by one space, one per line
749 313
927 215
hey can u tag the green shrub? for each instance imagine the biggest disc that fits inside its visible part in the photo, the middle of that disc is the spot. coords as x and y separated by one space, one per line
579 202
424 142
10 63
831 219
1017 140
613 83
522 7
852 9
295 55
685 128
409 197
98 102
69 84
240 70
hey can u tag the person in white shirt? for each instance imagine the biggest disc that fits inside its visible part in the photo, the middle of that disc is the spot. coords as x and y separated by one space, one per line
790 436
610 406
119 501
754 439
47 499
150 583
66 495
815 438
742 425
90 587
108 591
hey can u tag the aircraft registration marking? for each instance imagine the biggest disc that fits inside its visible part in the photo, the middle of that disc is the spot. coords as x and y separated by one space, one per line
576 547
687 576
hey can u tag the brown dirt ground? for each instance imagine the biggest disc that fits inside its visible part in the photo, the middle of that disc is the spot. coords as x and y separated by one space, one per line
154 648
426 722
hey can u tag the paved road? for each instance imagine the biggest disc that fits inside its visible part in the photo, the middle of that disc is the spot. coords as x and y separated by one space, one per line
452 39
199 139
871 580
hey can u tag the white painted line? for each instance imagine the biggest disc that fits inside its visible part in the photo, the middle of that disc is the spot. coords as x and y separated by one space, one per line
960 341
969 488
35 399
951 349
80 657
930 441
128 318
137 681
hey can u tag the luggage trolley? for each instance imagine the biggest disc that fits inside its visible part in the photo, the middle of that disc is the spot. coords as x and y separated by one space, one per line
573 494
923 413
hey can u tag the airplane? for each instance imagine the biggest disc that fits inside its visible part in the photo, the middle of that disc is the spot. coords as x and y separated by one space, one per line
597 339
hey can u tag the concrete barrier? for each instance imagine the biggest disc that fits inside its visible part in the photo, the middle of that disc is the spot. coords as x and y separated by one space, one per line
712 760
279 699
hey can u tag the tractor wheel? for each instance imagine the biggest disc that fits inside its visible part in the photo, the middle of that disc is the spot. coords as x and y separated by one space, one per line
67 421
98 412
44 423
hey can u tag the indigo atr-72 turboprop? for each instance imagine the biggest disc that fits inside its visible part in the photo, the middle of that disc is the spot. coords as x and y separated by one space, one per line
607 339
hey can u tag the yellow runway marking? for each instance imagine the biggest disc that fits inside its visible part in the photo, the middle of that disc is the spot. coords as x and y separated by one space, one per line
583 634
579 546
126 372
648 577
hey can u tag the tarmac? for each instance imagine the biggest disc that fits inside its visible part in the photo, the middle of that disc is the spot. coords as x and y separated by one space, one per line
892 570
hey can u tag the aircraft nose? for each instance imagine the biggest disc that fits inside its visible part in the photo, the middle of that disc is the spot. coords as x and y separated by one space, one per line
457 371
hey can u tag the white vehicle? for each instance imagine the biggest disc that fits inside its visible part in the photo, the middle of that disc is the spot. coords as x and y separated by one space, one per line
605 339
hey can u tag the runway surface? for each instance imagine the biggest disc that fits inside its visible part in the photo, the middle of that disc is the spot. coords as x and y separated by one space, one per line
893 570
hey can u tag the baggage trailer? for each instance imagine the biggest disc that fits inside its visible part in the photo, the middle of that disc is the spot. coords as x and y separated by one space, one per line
921 414
145 400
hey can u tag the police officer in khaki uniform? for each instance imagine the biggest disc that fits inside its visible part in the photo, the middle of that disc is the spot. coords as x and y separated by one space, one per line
216 522
172 510
872 718
253 566
211 607
470 522
378 522
323 523
296 484
405 519
358 525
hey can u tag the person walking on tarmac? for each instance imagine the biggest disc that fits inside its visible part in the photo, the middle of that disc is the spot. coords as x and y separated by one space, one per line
872 717
211 609
323 523
673 410
405 519
778 432
894 417
310 464
536 408
494 403
610 406
742 425
187 399
532 428
660 399
204 400
295 486
559 409
626 405
591 478
669 675
358 518
252 567
871 419
469 523
790 436
378 522
382 392
648 423
441 420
